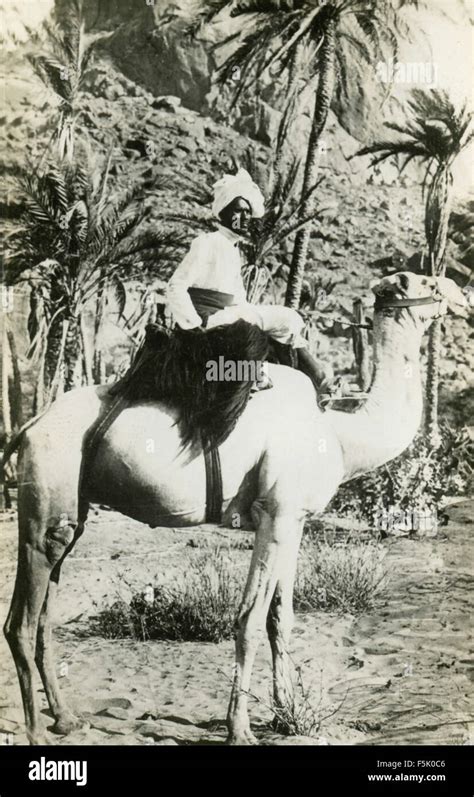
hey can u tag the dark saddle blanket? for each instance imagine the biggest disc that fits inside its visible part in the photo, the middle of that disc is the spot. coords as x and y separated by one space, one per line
207 375
188 370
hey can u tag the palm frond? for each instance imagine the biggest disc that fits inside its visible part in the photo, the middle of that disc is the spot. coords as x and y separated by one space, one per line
436 130
79 224
370 26
120 293
189 218
52 74
55 183
39 204
59 56
358 45
206 13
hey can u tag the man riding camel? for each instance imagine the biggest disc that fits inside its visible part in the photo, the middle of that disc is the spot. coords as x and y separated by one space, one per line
205 295
207 288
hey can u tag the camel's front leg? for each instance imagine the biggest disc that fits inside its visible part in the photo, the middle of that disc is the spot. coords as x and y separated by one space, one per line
272 543
65 720
279 625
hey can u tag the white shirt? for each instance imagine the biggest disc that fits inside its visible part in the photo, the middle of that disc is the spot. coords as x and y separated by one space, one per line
214 261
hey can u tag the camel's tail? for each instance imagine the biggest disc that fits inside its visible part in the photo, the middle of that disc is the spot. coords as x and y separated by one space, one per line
11 447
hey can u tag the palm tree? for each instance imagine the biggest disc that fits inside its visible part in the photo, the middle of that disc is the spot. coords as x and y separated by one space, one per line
60 55
435 135
72 243
330 36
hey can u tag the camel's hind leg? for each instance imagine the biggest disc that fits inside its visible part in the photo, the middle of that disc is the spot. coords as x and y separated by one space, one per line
65 720
38 554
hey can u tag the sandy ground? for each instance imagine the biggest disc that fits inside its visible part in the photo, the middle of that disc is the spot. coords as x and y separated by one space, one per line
400 674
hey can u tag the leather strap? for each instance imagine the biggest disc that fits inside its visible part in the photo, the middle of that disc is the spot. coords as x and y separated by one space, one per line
214 495
212 460
94 436
382 302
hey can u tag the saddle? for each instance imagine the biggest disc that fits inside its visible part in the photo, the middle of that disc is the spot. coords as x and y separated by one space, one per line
207 375
179 368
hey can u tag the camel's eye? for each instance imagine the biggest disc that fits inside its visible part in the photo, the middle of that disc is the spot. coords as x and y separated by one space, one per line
404 281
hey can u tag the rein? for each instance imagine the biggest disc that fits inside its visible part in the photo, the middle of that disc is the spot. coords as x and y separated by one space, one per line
382 303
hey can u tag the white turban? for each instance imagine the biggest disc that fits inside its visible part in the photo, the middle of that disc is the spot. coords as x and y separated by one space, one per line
232 186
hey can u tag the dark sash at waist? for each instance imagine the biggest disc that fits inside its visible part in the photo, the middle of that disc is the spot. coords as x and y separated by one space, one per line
207 302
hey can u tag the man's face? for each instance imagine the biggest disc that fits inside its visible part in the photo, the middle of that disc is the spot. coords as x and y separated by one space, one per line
236 215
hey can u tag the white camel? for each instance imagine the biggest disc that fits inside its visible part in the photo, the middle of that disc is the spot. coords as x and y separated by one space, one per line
283 458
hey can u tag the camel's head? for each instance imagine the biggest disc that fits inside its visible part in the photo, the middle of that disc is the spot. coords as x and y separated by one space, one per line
416 296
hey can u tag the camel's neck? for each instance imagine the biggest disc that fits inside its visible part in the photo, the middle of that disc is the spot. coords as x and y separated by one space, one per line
390 418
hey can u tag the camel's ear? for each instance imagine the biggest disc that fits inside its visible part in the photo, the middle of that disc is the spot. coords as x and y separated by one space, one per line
450 291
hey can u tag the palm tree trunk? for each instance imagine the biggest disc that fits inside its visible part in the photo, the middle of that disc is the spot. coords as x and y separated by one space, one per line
16 397
87 358
360 343
57 382
5 409
437 214
97 366
322 104
39 397
72 356
432 384
438 211
54 339
6 371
